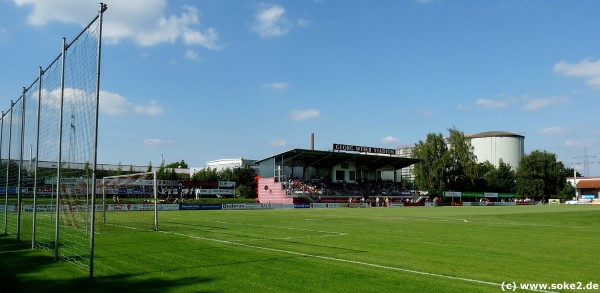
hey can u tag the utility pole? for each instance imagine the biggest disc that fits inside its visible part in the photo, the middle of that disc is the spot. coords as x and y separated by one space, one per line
586 162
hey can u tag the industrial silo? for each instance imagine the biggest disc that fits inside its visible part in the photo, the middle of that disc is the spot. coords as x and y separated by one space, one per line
495 145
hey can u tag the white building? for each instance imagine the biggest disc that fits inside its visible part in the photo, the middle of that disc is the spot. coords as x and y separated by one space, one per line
406 173
222 164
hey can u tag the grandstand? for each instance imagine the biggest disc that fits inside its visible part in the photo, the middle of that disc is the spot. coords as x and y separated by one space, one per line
348 173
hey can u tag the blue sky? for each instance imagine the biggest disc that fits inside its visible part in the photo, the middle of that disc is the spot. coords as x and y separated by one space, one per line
213 79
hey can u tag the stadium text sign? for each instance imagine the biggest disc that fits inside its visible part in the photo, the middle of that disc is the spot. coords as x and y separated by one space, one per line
363 149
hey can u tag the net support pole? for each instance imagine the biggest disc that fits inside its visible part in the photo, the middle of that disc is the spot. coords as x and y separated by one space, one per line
103 200
5 220
12 104
155 201
103 8
59 159
37 153
20 176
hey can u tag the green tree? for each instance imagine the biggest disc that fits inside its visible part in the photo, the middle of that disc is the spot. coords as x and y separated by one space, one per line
177 165
243 178
540 175
501 179
430 173
462 163
445 166
566 193
120 169
482 184
206 174
226 175
245 191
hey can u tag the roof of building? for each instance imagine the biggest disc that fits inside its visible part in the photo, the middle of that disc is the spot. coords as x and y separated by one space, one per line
494 134
588 183
329 159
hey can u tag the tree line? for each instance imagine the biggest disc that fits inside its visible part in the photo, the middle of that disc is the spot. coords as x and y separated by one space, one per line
449 164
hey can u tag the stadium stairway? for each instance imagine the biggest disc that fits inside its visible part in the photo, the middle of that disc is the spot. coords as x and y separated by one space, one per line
272 192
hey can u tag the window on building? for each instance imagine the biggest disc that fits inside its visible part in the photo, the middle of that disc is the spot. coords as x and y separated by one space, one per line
340 175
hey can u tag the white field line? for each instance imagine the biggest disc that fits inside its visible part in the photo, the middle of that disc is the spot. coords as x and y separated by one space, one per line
446 219
435 219
325 233
334 233
346 261
532 225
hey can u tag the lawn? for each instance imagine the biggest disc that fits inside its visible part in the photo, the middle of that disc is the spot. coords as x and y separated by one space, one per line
441 249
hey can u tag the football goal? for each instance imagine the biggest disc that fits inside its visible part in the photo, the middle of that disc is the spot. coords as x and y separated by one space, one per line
130 202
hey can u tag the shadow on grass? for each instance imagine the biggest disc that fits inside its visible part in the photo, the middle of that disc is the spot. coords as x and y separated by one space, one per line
25 270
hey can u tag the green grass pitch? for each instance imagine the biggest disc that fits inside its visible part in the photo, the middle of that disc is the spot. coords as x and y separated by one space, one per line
441 249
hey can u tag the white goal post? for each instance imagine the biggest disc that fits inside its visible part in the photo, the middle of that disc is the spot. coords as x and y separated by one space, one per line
131 183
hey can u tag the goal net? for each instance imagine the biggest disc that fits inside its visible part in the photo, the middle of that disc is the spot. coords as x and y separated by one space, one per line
129 202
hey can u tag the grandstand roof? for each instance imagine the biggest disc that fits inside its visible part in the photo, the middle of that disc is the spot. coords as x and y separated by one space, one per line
329 159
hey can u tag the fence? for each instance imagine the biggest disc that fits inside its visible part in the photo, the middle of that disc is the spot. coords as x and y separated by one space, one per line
55 121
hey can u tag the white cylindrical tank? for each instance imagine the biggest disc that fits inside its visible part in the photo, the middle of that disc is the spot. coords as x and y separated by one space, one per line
495 145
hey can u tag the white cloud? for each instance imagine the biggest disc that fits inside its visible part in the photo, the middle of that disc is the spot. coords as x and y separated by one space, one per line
492 104
51 98
462 107
585 68
390 140
302 22
143 21
543 102
191 55
557 130
278 142
424 113
110 103
153 109
270 21
3 35
276 85
157 142
577 143
299 115
593 82
67 11
115 104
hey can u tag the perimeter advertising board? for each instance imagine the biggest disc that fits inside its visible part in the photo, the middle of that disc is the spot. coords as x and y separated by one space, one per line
189 207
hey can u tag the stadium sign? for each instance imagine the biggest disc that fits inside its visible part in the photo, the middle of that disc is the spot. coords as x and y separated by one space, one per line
215 191
363 149
226 184
452 194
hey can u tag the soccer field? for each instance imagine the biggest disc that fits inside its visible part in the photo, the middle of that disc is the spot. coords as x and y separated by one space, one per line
442 249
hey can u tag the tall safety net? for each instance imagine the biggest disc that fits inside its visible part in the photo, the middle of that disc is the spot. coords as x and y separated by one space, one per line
48 147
